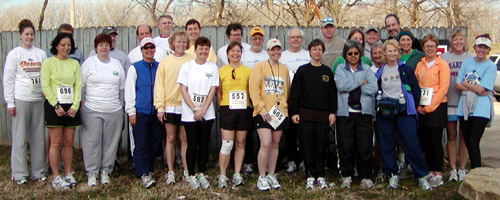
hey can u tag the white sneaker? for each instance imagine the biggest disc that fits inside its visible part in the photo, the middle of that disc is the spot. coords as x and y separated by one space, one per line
346 182
461 174
453 175
92 180
366 183
380 177
237 179
321 183
222 181
310 183
70 179
104 178
424 183
170 177
262 184
202 179
20 181
393 182
193 182
302 166
247 168
147 181
273 181
291 167
60 182
41 179
436 181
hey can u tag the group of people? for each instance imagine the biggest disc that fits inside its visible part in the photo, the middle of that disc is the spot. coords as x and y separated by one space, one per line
335 96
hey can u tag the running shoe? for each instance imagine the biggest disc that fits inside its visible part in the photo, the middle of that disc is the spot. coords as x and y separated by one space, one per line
237 179
291 167
273 181
436 181
310 183
202 179
346 182
20 181
60 183
393 182
70 179
222 181
461 174
92 180
170 177
193 182
453 175
424 183
366 183
105 178
147 181
321 183
263 184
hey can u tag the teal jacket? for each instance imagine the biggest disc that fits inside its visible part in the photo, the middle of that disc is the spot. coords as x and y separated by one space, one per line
415 57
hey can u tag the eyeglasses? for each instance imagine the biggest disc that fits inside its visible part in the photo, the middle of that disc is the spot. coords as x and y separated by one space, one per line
430 46
148 47
233 74
257 38
327 20
353 53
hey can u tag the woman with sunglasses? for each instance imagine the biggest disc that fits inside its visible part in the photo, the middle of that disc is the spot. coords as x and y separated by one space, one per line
198 80
269 86
358 35
356 85
475 108
235 116
455 57
433 76
23 95
167 101
313 103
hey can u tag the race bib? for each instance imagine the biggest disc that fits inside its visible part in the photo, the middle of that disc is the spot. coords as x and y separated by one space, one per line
199 100
277 117
65 94
35 86
426 96
237 100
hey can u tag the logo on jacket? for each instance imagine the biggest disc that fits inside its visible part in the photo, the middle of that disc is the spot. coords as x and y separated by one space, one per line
326 78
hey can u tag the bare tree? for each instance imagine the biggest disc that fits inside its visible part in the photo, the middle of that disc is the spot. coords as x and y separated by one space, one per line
42 14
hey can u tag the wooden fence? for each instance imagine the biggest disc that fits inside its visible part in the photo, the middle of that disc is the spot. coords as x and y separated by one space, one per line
127 40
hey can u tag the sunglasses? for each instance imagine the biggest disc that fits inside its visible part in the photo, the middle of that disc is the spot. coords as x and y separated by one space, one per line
148 47
353 53
233 74
327 20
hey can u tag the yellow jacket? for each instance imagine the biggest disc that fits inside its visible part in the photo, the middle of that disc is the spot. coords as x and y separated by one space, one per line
166 90
268 87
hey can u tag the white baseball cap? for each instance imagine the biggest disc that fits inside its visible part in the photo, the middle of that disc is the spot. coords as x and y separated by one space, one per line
272 43
147 40
484 41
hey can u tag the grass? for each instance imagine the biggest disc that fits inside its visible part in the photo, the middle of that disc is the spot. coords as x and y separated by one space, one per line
125 186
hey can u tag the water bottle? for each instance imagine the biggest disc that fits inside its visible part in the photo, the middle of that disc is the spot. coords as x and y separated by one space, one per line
402 99
379 95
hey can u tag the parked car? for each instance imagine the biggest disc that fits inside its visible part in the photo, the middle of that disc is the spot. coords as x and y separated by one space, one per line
496 88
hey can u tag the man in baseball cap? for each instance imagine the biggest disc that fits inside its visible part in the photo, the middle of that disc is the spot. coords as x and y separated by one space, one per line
333 45
371 37
255 53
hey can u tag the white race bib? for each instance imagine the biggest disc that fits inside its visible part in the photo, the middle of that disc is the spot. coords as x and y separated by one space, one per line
35 85
426 96
237 99
277 117
65 94
199 100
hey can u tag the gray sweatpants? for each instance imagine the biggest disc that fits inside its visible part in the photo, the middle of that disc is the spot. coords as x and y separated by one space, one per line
28 123
99 139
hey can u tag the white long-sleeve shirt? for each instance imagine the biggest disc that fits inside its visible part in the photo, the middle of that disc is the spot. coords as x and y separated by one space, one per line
130 90
21 78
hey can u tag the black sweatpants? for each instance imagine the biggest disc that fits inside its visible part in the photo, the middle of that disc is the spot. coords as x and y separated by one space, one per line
473 130
355 137
430 140
198 138
313 138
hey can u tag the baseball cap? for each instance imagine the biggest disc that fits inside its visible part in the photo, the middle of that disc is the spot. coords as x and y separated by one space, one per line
272 43
109 29
147 40
483 41
371 28
255 30
327 21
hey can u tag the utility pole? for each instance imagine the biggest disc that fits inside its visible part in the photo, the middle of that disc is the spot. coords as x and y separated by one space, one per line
72 12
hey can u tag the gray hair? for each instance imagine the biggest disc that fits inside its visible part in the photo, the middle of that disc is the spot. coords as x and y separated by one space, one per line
377 44
352 44
302 34
165 16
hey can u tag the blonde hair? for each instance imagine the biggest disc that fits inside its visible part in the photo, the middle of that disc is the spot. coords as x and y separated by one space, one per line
176 34
458 32
394 43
